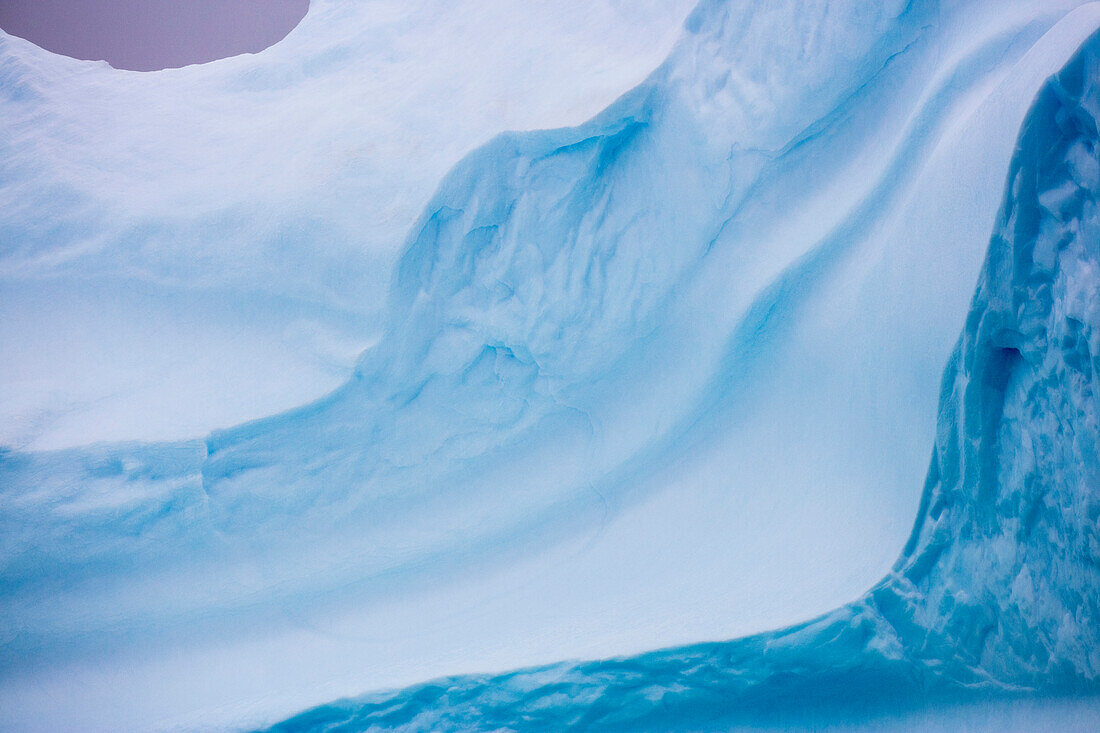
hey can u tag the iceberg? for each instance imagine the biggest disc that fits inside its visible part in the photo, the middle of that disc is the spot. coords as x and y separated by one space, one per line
998 587
645 382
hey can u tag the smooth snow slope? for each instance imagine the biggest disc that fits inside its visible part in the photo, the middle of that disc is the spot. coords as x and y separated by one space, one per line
998 588
651 380
187 249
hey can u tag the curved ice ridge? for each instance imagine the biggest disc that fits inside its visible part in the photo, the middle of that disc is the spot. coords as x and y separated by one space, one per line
998 588
528 305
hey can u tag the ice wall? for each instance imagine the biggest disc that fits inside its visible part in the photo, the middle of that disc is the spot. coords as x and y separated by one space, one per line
1001 575
997 590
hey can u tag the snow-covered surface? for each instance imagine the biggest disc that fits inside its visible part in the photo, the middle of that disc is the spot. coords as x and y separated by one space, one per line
665 377
139 209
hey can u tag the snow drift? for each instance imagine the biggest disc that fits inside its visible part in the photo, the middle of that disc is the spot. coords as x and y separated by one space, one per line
622 366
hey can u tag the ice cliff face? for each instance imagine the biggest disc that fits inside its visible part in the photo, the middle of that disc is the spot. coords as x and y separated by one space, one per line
1001 579
999 586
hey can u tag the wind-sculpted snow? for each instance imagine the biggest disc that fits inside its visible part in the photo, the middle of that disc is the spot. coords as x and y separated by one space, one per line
999 586
622 366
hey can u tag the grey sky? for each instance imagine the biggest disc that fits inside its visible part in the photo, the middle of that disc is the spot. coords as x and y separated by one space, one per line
151 34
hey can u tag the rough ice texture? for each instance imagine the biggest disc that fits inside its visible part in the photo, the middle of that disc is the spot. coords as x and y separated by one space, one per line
1000 582
998 588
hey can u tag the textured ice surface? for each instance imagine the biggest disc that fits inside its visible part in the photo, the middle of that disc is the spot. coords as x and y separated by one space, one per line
622 366
997 590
